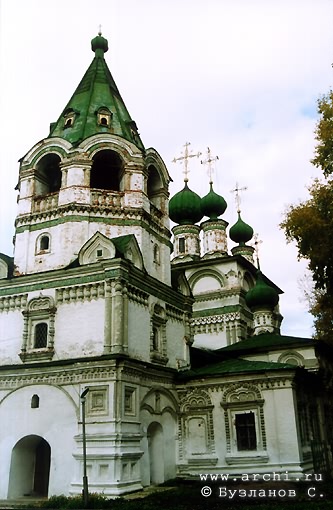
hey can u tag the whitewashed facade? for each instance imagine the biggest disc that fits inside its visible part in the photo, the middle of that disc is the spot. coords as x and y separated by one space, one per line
91 300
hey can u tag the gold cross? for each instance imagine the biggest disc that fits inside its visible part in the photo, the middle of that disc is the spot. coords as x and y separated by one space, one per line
237 196
185 157
209 162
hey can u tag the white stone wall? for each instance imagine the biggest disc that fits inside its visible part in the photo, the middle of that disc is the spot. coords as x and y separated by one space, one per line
55 421
277 438
79 329
11 336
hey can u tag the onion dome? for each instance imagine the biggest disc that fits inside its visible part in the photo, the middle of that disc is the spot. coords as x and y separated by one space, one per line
241 232
262 294
185 207
213 205
99 43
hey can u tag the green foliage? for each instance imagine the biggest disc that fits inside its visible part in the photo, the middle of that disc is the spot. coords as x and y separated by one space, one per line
310 224
64 502
324 135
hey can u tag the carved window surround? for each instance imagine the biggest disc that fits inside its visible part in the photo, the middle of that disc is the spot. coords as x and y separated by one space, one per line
239 400
39 310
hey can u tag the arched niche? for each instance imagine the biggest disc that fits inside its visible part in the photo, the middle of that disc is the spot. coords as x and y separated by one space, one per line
106 170
154 186
48 174
206 281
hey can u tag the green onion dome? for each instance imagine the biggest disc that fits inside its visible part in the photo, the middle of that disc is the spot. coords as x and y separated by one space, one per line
240 232
185 207
99 43
213 205
262 294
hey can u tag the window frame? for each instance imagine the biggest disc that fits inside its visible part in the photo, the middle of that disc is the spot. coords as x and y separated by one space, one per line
238 400
39 310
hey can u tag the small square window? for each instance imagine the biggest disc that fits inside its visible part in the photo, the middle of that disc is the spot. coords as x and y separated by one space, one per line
99 253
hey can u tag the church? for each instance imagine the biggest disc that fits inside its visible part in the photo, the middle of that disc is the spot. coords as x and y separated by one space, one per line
173 336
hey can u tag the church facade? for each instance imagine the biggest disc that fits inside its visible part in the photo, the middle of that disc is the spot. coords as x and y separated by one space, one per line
177 339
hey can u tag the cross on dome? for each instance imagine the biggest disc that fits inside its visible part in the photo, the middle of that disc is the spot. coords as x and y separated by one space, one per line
237 195
256 242
208 161
185 157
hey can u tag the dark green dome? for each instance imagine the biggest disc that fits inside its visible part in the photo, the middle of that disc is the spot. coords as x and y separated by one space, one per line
99 43
213 205
262 294
240 232
185 207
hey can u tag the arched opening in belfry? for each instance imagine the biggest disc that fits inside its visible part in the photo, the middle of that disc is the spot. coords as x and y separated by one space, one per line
154 186
156 453
48 175
106 171
30 468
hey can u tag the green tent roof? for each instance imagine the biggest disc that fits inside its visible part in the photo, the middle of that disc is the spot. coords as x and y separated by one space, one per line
97 90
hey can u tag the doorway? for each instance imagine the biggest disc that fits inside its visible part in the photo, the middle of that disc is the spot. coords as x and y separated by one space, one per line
156 453
30 468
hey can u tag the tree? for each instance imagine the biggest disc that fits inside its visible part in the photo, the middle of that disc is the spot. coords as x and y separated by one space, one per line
310 225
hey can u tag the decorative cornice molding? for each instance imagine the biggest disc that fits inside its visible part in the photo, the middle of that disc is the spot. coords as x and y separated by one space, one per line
14 302
59 377
174 313
86 292
137 295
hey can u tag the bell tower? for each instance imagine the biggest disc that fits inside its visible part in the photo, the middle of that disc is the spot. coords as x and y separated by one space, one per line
92 174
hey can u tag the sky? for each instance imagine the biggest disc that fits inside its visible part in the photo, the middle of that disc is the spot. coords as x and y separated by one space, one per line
241 77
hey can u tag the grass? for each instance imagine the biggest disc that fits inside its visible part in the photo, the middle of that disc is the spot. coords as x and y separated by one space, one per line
187 496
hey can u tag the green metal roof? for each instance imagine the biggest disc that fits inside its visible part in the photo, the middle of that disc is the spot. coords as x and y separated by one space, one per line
213 205
96 90
234 366
262 294
240 232
265 342
185 207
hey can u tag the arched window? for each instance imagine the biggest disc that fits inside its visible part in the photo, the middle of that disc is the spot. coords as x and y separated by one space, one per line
106 171
154 186
34 401
104 117
40 337
44 243
38 329
69 117
48 174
